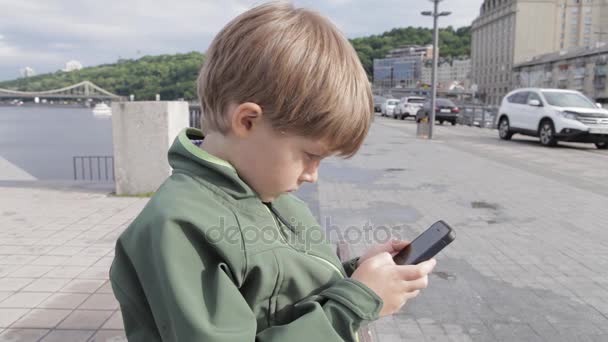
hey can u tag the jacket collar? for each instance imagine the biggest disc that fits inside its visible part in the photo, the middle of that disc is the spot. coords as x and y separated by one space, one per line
185 156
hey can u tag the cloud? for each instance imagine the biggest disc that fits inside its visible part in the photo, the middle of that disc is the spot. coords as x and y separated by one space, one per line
47 33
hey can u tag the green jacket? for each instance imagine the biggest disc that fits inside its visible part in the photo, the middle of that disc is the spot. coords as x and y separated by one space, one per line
206 260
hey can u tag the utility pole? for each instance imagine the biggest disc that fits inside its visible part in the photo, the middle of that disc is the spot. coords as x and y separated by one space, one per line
435 14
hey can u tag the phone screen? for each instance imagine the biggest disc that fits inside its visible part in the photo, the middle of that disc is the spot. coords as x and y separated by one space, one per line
426 245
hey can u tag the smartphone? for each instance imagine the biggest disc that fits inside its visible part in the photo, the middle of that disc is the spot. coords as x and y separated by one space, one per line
426 245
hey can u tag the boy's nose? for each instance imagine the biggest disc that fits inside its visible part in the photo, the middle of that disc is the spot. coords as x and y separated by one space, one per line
310 177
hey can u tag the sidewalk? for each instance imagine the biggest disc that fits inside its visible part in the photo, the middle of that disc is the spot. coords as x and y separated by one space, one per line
530 257
528 263
56 247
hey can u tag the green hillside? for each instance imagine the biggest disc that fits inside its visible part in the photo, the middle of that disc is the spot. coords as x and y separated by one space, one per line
174 76
171 76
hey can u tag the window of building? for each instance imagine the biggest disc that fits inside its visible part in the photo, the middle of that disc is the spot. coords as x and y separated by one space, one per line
574 10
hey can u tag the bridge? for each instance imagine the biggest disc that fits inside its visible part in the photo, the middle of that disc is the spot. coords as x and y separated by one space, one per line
83 90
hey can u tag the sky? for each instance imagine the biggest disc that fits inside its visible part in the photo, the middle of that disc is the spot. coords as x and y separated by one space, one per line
45 34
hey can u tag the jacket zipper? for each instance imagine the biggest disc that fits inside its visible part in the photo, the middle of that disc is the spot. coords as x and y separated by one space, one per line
274 219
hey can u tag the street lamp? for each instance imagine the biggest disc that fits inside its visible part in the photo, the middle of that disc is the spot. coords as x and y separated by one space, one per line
435 14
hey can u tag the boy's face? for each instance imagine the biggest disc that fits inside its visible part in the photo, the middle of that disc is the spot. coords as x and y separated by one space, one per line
273 163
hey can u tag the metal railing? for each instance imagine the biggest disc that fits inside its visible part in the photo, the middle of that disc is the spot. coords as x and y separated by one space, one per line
195 116
477 115
91 167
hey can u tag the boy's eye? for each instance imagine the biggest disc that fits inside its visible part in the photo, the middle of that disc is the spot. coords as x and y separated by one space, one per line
312 156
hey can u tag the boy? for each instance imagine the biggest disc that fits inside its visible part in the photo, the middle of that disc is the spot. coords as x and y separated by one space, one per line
222 252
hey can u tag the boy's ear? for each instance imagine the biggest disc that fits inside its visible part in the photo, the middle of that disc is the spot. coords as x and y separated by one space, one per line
245 117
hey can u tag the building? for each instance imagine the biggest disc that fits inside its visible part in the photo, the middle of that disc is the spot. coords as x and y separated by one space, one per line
508 32
72 66
410 67
449 72
27 72
402 67
582 69
399 72
425 51
580 23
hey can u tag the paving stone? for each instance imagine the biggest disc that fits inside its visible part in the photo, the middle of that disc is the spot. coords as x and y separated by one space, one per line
64 301
85 319
41 318
68 336
22 335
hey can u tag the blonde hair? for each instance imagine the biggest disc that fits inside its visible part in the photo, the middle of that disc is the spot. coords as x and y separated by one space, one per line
298 67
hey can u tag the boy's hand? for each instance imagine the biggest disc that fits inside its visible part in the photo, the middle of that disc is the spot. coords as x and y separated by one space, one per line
395 284
392 247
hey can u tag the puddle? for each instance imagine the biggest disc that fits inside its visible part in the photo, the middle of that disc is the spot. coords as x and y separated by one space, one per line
484 205
444 275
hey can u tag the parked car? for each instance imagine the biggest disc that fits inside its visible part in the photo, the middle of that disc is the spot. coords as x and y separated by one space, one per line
378 100
445 110
553 115
408 106
388 107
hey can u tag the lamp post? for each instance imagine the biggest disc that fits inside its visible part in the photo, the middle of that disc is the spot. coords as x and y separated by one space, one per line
435 14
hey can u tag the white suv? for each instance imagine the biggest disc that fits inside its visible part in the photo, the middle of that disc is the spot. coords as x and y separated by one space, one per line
388 107
552 115
408 106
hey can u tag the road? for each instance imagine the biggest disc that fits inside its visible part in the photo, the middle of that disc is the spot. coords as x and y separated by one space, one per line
530 257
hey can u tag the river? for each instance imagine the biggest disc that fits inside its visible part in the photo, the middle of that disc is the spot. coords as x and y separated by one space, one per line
42 140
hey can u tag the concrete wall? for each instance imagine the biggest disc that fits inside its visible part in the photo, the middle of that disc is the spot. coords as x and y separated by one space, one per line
142 134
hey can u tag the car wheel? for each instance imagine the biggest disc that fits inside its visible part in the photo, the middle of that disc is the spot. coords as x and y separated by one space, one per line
403 116
504 131
547 133
453 123
441 122
601 145
395 116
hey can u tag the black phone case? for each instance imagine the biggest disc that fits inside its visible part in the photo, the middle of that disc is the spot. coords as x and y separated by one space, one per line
435 248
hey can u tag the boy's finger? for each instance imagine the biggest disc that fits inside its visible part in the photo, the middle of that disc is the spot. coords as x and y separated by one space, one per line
410 295
397 245
428 265
413 272
417 284
383 258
